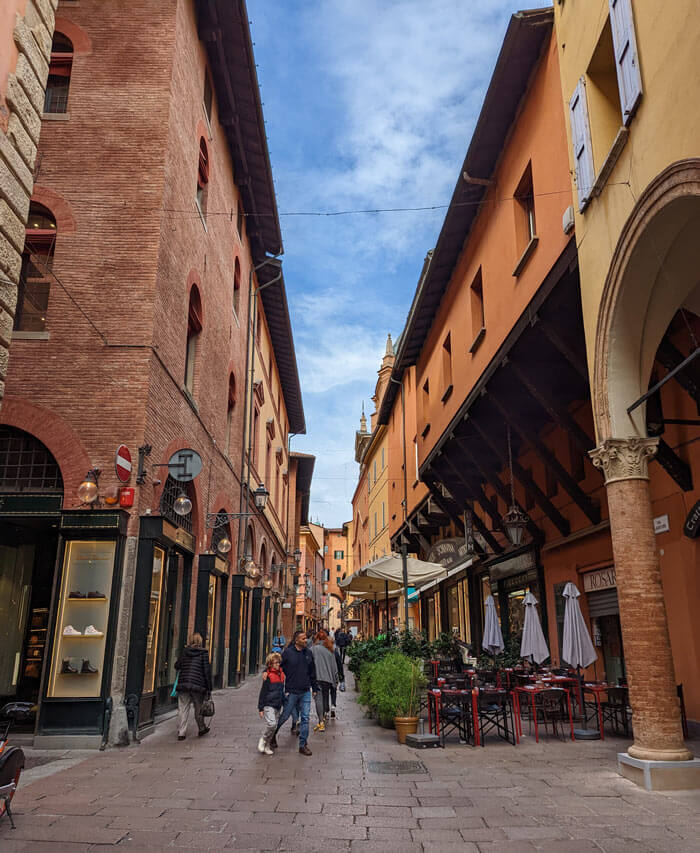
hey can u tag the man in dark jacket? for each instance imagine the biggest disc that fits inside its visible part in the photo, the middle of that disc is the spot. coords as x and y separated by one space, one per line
342 641
299 679
193 684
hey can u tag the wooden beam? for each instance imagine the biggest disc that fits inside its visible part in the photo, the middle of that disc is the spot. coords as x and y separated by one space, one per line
432 481
412 529
674 466
564 349
495 482
590 507
475 492
552 513
688 378
556 412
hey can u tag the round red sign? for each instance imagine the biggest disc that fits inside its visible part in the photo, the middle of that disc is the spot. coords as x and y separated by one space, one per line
122 463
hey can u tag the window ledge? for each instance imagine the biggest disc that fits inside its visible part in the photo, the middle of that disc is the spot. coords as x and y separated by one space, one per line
525 257
55 116
611 159
477 340
448 393
30 336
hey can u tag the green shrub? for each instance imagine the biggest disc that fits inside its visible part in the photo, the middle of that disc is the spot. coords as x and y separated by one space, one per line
392 685
368 651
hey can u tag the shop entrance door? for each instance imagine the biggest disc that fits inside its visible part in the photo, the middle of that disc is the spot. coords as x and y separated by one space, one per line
27 563
173 626
611 643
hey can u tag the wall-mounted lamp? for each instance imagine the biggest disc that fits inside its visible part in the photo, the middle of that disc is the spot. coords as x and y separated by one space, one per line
223 545
182 505
87 490
261 495
267 583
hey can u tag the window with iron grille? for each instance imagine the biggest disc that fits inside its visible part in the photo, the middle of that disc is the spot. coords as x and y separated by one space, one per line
26 465
58 82
171 491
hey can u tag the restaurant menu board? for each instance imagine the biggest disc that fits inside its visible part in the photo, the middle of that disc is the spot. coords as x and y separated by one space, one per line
82 620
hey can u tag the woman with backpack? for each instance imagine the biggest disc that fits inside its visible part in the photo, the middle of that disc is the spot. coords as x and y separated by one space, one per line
193 685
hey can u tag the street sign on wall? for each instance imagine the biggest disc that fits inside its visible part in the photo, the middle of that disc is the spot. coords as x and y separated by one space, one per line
185 465
122 463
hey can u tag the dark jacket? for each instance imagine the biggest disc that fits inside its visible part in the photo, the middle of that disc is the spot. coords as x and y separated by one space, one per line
339 663
194 670
342 639
272 691
299 670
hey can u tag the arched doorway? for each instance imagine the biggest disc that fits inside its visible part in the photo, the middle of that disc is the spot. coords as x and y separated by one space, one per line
652 287
31 497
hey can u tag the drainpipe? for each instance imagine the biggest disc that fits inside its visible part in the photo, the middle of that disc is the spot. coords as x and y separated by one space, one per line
404 548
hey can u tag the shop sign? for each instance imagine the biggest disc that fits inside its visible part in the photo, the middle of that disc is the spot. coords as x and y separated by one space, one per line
691 528
448 552
661 524
512 566
187 540
600 579
286 605
30 504
185 465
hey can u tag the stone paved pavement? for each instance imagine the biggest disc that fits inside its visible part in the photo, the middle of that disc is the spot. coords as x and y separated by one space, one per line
218 792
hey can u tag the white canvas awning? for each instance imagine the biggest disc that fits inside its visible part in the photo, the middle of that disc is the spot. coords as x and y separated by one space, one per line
387 573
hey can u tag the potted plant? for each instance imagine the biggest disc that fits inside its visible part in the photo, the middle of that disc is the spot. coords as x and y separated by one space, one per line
393 692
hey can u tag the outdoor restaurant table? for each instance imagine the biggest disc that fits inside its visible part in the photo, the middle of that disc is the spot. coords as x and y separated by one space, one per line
566 681
531 691
597 689
435 700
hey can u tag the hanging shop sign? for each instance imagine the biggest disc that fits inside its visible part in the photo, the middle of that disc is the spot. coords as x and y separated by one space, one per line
507 566
448 552
122 463
691 528
185 465
599 579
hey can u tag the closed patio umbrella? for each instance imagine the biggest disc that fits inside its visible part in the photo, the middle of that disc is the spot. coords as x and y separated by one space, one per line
533 643
577 647
493 638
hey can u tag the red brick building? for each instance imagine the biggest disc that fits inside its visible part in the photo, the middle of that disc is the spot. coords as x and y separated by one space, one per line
152 206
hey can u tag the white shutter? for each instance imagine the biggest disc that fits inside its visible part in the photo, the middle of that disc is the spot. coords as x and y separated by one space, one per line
581 140
629 80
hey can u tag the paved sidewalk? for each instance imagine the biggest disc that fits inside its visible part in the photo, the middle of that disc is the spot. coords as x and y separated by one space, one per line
218 792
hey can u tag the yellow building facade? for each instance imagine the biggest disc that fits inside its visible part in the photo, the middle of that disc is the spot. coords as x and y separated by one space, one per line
629 81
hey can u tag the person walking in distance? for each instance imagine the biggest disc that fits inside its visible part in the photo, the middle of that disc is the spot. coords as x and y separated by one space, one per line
271 701
341 680
300 680
193 684
326 676
342 641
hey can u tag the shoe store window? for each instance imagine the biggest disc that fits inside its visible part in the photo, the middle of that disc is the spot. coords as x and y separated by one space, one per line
82 621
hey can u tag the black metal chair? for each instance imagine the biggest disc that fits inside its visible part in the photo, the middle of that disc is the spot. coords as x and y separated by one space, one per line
487 677
616 710
495 714
552 708
455 712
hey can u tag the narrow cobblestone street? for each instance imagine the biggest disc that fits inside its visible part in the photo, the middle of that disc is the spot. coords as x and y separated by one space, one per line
218 792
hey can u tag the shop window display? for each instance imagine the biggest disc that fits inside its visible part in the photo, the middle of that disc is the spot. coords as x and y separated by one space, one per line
82 620
153 619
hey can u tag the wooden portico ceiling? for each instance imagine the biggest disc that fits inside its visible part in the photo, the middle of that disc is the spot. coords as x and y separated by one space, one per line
535 377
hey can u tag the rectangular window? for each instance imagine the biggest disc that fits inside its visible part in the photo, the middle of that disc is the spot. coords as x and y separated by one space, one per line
375 523
525 233
382 458
383 516
476 294
581 141
374 470
415 454
326 575
446 368
338 555
425 407
256 433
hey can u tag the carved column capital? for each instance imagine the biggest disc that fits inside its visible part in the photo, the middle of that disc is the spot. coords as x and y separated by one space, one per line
624 458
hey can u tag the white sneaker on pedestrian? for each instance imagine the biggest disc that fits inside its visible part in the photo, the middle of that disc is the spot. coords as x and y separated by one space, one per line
268 751
262 746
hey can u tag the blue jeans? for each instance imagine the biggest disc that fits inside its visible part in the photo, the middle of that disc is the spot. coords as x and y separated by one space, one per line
301 704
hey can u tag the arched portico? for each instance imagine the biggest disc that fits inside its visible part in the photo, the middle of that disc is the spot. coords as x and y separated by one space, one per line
654 272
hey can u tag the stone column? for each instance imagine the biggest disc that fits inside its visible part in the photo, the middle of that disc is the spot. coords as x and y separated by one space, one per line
656 718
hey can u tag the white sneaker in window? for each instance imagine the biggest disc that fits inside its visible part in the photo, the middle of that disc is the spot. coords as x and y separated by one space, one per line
261 745
69 631
91 631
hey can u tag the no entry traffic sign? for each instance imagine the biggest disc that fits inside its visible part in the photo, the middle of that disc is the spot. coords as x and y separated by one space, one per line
122 463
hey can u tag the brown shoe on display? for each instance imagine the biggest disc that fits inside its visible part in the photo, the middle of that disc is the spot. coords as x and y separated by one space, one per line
96 594
67 669
88 668
304 750
77 594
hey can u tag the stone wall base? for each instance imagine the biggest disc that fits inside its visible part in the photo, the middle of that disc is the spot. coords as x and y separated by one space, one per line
660 775
67 741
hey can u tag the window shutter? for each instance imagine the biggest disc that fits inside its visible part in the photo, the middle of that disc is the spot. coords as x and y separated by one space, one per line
629 80
581 139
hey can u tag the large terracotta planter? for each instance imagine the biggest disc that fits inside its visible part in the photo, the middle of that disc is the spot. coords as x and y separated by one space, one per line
405 726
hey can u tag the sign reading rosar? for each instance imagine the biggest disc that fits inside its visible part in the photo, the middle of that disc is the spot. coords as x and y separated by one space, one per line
122 463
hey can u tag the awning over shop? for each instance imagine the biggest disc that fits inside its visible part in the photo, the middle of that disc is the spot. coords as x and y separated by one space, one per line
386 573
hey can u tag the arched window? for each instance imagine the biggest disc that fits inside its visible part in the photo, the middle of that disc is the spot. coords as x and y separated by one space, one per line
194 328
171 492
56 98
202 175
27 465
35 277
237 287
229 410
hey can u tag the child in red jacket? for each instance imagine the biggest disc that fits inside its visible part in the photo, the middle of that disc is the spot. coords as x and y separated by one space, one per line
271 700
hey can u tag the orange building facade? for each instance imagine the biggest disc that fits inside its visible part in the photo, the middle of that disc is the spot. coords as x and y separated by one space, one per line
490 428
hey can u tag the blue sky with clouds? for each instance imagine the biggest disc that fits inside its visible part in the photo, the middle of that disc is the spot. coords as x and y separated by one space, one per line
368 104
